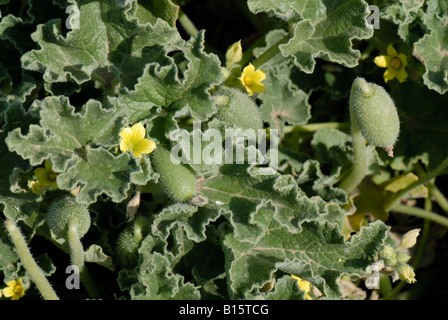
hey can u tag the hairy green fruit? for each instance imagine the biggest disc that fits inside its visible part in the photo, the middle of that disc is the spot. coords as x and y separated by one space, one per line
237 109
176 180
62 210
374 113
127 248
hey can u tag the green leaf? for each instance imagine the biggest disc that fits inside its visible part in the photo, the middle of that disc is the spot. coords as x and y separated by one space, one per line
107 43
99 173
150 10
286 288
324 29
241 192
406 15
18 202
432 51
9 259
317 254
156 279
190 218
172 86
64 134
283 103
423 126
95 254
74 144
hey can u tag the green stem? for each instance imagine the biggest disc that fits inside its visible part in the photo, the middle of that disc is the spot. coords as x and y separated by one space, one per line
438 196
30 265
76 249
366 53
313 127
77 259
271 52
421 213
248 53
385 285
434 192
187 24
359 169
422 245
417 183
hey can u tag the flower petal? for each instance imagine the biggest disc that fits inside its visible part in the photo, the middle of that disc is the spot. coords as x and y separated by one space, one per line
382 61
42 177
257 87
138 132
8 292
403 59
41 173
389 74
145 146
401 74
258 76
248 70
47 165
391 51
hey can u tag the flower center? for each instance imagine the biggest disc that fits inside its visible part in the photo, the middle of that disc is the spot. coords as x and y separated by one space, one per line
247 80
395 63
17 289
52 175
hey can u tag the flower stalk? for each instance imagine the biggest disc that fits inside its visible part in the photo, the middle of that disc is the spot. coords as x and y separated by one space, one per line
359 170
29 263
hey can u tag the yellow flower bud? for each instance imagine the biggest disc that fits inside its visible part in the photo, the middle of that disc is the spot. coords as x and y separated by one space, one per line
387 252
234 54
406 273
410 238
403 257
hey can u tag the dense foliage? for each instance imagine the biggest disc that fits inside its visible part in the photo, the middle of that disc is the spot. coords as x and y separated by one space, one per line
83 83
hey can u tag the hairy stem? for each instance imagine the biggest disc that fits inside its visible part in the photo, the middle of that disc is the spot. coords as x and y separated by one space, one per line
359 169
187 24
313 127
417 183
269 53
76 249
77 259
29 263
421 213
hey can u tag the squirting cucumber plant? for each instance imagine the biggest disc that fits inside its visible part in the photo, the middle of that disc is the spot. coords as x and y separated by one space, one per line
223 150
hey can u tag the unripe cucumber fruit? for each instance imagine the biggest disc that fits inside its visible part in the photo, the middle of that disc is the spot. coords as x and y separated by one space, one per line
127 248
129 241
60 213
176 180
375 113
237 109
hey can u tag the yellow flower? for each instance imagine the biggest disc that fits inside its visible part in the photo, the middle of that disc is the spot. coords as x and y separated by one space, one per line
14 289
46 176
133 139
251 79
395 64
234 54
36 187
305 286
